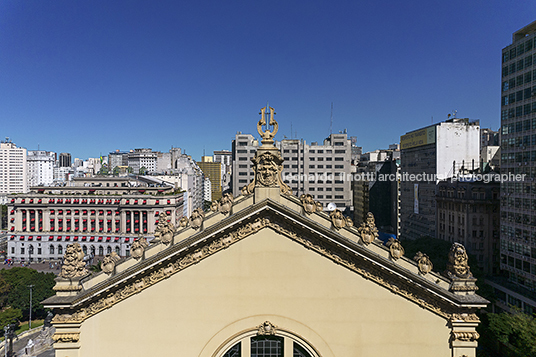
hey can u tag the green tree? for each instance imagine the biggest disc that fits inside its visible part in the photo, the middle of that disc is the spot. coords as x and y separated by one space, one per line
143 170
18 297
115 171
4 291
103 170
3 221
517 331
9 316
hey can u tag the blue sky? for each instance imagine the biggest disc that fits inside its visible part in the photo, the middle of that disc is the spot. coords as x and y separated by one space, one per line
90 77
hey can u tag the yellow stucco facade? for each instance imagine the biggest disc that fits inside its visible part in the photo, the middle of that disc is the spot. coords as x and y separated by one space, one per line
266 276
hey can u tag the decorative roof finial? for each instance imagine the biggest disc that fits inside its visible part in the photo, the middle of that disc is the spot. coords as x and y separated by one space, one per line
267 136
267 163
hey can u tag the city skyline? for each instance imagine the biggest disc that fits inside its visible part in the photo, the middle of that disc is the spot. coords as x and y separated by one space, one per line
92 78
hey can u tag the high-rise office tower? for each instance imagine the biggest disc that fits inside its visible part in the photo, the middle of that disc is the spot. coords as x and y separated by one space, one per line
322 170
212 171
518 156
65 159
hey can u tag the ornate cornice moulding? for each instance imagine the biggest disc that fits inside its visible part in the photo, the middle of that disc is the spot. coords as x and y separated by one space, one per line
338 253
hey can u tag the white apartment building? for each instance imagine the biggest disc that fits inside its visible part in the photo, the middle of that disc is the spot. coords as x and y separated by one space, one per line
207 190
13 170
324 171
142 158
439 151
40 167
225 157
187 176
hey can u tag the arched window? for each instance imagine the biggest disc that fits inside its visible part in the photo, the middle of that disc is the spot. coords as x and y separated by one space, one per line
109 250
30 249
51 249
60 250
92 250
101 250
117 250
283 344
84 249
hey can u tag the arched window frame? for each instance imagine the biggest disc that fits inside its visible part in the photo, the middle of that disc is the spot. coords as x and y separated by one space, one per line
288 344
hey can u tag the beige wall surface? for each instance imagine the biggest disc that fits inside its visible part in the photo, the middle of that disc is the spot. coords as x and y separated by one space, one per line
266 276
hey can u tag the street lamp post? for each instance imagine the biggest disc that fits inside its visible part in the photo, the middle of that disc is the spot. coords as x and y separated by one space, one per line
30 321
6 330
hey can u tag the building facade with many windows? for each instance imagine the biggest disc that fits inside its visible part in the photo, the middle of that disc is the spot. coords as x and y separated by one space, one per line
40 168
518 156
13 170
101 218
428 155
468 213
324 170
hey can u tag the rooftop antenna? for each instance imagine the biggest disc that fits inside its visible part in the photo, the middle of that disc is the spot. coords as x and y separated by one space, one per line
291 130
331 120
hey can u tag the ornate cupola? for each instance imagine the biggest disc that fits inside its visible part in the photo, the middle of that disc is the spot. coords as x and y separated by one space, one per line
267 163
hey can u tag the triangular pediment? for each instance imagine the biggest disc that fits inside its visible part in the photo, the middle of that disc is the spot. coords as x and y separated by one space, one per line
286 218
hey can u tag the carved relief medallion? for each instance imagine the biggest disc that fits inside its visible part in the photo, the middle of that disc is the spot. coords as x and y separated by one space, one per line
395 248
109 261
338 220
309 204
183 222
196 219
138 247
267 169
267 328
214 206
226 203
424 263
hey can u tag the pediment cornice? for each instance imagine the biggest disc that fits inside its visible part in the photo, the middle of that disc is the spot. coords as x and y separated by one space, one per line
266 214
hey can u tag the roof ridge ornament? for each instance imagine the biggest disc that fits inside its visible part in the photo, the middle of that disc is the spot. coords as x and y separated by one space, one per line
267 135
267 163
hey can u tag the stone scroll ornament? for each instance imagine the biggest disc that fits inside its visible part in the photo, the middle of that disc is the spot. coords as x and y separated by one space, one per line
368 231
424 263
457 266
338 220
73 262
396 250
164 230
197 218
138 247
309 204
267 163
109 262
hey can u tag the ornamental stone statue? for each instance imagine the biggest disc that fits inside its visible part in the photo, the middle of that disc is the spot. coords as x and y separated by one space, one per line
73 262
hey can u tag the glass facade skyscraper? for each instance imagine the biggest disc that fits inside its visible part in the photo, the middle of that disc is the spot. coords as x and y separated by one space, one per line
518 157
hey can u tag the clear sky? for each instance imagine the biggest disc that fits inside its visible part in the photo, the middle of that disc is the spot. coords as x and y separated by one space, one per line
90 77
